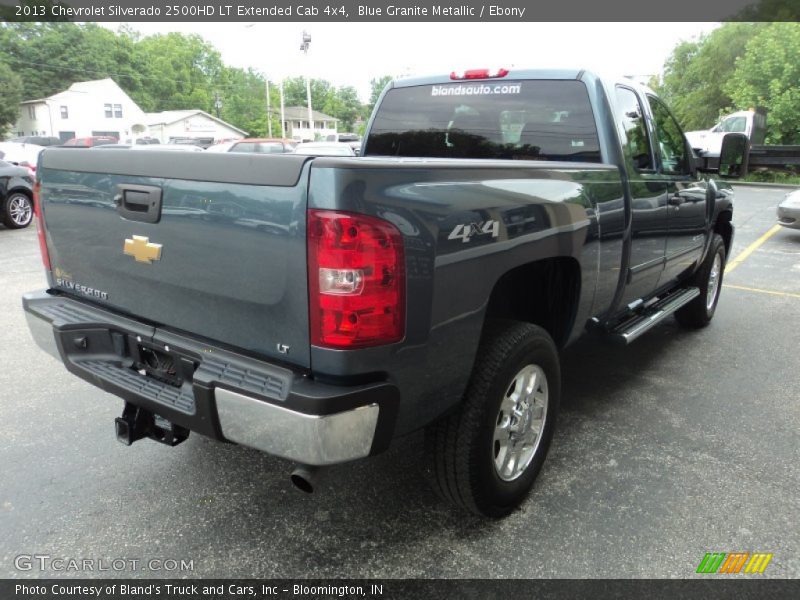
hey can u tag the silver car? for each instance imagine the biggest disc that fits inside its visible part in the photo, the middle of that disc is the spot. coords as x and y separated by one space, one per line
789 210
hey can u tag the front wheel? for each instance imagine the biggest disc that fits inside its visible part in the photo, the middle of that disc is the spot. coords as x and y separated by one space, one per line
18 211
700 311
485 456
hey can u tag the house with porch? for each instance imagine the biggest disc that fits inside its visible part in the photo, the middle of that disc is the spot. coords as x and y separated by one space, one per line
297 127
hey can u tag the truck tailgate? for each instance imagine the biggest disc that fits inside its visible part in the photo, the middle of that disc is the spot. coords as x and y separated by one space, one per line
224 258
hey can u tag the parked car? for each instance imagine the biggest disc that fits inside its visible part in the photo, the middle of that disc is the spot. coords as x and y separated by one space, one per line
351 139
789 210
112 147
222 146
167 147
16 195
24 155
90 141
151 147
147 140
264 146
38 140
324 149
203 142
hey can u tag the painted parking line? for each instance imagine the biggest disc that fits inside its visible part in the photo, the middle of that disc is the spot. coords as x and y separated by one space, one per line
761 291
751 248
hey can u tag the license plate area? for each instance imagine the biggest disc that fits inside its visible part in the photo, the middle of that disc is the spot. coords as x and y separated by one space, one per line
162 364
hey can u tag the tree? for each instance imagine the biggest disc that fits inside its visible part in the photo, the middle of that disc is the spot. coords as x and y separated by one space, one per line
294 92
179 73
376 87
160 72
10 97
768 75
343 103
242 95
696 74
49 57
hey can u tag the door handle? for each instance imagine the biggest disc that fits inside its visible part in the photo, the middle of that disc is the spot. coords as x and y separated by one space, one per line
675 200
139 202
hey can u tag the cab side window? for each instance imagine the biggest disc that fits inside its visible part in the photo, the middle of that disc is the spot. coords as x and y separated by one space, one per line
633 131
671 144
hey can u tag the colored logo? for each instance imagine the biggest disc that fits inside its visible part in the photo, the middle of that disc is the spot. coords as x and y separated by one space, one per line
140 248
734 562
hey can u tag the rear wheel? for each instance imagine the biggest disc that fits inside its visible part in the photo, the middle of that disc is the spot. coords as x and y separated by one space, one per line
700 311
18 211
485 457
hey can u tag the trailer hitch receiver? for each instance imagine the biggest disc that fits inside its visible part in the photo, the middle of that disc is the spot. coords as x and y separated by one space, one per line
137 423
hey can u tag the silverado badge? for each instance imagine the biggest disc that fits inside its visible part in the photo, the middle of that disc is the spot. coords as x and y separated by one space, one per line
142 250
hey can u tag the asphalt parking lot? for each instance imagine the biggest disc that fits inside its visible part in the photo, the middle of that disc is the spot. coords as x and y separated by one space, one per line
684 443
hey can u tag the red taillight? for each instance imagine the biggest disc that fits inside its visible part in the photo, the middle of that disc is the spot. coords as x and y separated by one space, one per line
479 74
37 211
356 280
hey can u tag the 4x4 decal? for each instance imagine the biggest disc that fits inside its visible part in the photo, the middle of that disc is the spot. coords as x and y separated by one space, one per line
466 232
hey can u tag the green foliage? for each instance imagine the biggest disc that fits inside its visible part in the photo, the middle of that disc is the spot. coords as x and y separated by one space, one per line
160 72
49 57
771 10
736 67
376 88
344 105
179 71
768 75
786 177
696 73
10 97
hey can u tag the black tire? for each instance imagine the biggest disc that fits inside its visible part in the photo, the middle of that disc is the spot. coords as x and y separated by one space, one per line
17 210
698 313
460 448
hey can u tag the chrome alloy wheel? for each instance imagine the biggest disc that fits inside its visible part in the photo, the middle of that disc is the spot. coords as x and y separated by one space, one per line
713 282
20 209
520 422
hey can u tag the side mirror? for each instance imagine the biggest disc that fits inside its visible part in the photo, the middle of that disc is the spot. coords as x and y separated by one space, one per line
734 155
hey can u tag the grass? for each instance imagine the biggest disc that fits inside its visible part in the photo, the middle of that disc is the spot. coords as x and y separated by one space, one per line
773 176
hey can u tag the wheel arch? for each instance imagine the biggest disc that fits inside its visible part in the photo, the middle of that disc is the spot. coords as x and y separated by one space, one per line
724 228
517 295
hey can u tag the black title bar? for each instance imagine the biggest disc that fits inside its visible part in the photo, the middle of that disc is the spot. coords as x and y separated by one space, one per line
400 10
706 588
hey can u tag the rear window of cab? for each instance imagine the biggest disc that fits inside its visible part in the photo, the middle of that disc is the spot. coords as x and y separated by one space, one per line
517 120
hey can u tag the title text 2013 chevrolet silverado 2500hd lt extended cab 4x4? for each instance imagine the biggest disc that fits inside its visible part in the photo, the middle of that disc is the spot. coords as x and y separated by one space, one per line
317 308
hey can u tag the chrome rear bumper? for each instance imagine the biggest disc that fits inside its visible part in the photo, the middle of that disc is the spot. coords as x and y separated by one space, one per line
226 396
310 439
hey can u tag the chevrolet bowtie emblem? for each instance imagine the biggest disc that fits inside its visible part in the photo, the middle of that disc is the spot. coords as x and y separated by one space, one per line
142 250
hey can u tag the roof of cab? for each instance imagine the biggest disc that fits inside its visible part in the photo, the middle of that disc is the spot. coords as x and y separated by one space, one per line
572 73
512 74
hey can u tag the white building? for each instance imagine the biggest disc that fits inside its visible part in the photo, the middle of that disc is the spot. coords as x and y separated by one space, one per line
87 108
190 124
297 127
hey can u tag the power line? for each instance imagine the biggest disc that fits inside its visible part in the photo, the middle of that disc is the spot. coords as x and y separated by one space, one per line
257 82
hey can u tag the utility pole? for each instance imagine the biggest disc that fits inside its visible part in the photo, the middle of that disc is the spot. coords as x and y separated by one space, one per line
266 89
304 48
217 103
269 111
283 114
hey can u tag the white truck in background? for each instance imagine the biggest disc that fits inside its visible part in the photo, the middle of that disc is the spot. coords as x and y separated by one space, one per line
752 123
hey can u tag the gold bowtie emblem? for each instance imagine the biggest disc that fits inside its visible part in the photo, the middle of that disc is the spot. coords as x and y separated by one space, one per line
142 250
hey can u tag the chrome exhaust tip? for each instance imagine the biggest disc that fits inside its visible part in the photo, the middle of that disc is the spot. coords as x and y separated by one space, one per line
306 478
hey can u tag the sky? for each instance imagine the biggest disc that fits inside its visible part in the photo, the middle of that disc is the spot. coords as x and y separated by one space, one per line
354 53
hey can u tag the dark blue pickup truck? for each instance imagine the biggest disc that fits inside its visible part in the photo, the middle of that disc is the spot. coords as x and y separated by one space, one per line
316 308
